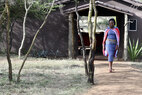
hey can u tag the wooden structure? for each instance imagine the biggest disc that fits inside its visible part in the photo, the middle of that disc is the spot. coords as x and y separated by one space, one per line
124 12
60 35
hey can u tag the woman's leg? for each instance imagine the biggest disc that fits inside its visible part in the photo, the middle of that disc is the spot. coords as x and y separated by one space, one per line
110 66
110 49
110 59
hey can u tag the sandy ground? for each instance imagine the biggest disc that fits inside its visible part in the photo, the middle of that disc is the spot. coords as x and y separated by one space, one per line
124 81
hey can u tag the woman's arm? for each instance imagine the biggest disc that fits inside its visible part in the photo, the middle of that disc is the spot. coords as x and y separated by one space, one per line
104 39
118 38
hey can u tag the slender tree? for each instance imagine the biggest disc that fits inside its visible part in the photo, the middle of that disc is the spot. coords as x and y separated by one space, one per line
89 64
92 31
26 56
81 38
24 23
8 39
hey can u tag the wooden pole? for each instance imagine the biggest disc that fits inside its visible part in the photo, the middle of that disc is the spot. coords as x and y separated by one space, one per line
125 53
71 51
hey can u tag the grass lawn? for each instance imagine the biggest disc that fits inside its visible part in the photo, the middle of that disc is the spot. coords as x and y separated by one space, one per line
44 77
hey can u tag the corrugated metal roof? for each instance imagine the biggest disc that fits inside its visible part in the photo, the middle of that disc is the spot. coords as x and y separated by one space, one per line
134 2
61 1
129 1
112 7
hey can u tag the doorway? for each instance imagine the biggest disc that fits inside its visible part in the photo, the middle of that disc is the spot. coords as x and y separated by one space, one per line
102 24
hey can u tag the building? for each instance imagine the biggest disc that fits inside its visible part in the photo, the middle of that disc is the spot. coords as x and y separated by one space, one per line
59 35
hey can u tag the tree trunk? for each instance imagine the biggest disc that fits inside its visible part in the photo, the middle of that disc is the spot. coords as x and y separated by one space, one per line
92 40
26 56
81 38
8 40
11 35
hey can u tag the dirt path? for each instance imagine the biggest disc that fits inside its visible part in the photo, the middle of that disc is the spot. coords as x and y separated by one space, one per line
124 81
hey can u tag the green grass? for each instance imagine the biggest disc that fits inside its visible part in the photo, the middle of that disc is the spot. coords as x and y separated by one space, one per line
44 77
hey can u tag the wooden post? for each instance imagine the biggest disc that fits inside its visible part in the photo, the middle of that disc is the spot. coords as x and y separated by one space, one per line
71 51
125 53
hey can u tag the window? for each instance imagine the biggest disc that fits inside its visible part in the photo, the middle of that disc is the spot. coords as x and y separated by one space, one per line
133 25
102 23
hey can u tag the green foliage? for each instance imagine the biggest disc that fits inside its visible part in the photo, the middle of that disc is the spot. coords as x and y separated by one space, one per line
17 10
134 50
39 10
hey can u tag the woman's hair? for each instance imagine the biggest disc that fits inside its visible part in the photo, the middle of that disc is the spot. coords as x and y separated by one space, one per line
112 19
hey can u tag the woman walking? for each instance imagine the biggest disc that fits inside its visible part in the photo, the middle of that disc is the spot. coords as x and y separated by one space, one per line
111 42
